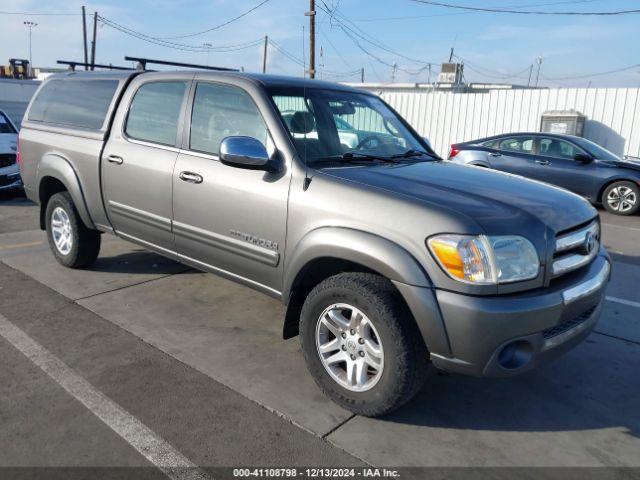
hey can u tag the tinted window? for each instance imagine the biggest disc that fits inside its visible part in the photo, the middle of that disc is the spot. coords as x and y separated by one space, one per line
78 103
553 147
596 150
221 111
154 112
516 144
5 125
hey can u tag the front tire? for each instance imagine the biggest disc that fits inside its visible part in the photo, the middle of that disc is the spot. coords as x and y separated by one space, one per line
621 198
72 243
361 345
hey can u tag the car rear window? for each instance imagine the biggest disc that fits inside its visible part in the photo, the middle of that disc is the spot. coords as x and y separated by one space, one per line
76 103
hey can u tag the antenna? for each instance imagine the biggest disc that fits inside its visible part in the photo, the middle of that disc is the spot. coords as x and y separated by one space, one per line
307 179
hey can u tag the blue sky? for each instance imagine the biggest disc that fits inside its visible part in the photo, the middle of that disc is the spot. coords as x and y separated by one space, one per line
495 47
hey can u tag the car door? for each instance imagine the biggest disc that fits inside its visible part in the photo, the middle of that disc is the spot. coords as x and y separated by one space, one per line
559 167
514 155
229 220
138 160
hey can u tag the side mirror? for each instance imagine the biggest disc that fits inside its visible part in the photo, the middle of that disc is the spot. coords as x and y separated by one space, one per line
244 152
583 158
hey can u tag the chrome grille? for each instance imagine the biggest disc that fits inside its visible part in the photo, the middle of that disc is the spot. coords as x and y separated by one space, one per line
7 159
576 249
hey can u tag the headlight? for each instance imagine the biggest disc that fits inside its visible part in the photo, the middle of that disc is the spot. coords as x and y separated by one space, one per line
485 260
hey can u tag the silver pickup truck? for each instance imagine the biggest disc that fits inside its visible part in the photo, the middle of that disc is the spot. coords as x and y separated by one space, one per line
388 259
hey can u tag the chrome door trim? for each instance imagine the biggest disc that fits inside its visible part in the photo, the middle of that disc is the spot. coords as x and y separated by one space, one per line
238 247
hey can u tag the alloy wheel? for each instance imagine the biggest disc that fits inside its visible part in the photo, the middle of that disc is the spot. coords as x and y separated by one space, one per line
349 347
61 230
622 199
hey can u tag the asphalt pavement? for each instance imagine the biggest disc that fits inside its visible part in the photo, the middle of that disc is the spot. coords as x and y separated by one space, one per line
139 362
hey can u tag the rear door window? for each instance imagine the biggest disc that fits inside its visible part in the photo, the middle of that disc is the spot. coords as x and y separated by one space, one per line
516 145
155 111
76 103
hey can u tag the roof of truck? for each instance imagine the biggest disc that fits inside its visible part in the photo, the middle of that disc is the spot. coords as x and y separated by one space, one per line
264 79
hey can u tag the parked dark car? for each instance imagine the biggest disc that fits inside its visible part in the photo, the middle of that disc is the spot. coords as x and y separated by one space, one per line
574 163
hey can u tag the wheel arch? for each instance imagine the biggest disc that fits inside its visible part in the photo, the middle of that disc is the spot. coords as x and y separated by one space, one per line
55 174
331 250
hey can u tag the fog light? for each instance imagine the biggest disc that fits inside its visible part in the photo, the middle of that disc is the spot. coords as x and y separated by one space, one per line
515 354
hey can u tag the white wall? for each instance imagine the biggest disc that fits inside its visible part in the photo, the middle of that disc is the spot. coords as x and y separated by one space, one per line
613 114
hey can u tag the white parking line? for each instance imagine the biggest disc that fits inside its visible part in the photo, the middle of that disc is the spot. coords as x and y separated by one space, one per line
623 301
175 465
621 226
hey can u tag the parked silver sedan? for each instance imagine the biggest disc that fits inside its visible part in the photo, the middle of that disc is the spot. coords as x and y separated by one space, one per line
9 171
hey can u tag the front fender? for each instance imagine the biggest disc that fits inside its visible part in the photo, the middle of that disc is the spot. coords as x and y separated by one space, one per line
59 168
374 252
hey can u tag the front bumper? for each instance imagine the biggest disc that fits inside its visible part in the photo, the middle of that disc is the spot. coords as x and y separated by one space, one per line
510 334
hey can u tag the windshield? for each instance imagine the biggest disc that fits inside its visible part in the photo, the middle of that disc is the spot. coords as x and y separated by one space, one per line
5 125
596 150
330 125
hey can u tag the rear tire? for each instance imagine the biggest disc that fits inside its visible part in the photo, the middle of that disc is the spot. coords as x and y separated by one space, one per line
621 198
72 243
381 335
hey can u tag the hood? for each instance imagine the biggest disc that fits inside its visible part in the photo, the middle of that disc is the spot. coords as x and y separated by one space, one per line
629 164
499 202
8 143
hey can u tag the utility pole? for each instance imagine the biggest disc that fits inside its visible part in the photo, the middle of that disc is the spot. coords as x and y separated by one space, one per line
264 54
393 72
84 37
451 55
539 61
30 25
93 42
208 46
312 38
362 75
530 72
429 77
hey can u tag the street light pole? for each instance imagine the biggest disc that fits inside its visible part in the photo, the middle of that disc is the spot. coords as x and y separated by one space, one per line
30 25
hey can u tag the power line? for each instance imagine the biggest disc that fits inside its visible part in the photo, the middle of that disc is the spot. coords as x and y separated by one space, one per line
358 32
175 45
597 74
411 17
522 12
40 14
300 62
224 24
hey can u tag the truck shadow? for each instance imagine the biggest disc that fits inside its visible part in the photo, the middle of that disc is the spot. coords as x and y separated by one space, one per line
138 261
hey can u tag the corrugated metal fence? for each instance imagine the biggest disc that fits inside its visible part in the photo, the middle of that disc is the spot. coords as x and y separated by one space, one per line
613 114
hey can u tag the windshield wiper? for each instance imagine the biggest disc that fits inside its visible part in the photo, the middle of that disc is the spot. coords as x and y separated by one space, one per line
366 156
356 156
413 153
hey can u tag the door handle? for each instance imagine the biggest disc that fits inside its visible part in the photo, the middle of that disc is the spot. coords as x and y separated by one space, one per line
543 162
115 159
495 154
190 177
